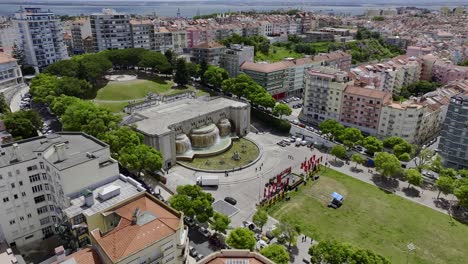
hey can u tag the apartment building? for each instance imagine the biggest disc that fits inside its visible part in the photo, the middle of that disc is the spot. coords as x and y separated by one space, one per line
296 73
80 30
39 175
11 77
8 36
453 143
140 229
40 36
361 108
208 52
323 94
336 59
111 30
445 71
162 39
179 40
401 120
273 77
233 57
142 34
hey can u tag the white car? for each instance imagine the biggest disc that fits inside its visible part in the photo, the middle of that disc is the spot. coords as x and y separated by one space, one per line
261 244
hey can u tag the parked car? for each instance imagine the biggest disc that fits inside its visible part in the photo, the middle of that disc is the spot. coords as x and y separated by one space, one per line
199 257
298 143
190 222
205 232
193 252
249 225
230 200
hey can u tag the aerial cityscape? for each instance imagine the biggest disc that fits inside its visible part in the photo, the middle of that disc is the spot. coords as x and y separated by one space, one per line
211 132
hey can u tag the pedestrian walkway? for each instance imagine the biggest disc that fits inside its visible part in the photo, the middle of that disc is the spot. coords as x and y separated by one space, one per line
16 99
426 197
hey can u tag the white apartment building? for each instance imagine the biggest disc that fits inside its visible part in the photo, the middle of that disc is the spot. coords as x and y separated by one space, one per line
179 40
296 73
401 120
233 57
8 36
39 175
40 36
80 30
142 34
163 39
323 94
11 77
111 30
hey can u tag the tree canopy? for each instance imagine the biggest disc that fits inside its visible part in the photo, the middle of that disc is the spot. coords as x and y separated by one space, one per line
351 136
338 151
215 76
334 252
445 185
387 164
413 176
193 201
372 145
241 238
260 218
282 109
418 88
423 159
23 124
4 106
140 158
121 138
462 195
277 253
182 76
220 222
331 127
358 159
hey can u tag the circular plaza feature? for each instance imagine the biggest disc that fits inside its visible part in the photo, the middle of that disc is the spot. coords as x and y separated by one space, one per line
242 153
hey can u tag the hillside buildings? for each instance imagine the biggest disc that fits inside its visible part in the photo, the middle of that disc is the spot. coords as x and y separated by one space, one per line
80 32
142 34
40 36
111 30
209 52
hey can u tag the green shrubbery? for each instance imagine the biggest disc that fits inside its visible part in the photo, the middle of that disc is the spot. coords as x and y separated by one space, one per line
279 124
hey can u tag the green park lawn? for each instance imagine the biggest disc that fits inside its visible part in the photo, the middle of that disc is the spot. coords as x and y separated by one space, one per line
373 219
129 90
277 54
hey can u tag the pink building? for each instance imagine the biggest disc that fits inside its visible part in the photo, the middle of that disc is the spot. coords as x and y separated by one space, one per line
445 71
361 108
416 51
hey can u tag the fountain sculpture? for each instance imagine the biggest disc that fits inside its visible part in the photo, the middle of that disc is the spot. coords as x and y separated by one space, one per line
224 127
183 144
205 136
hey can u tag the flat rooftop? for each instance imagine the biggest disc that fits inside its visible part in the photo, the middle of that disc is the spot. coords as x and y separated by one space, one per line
154 221
77 145
156 120
128 188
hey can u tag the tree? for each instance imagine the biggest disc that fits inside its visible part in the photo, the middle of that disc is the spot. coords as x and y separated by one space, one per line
413 176
403 147
123 137
260 218
193 69
141 158
290 232
73 87
436 164
241 238
390 142
277 253
220 222
462 195
69 68
351 136
215 76
182 76
448 172
338 151
445 185
203 68
193 202
334 252
372 145
404 157
4 107
87 117
155 61
331 127
282 109
23 124
43 87
423 159
358 159
170 56
61 103
387 164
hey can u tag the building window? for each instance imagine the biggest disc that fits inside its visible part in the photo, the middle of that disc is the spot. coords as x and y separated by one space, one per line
34 178
12 185
29 215
37 188
42 210
12 222
44 220
41 164
17 172
21 183
78 219
52 208
28 237
39 199
15 196
47 231
44 176
23 194
31 168
46 186
22 218
6 199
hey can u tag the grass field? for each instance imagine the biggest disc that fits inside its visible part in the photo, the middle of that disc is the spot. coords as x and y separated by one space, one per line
373 219
116 107
128 90
277 54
